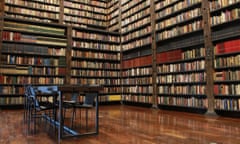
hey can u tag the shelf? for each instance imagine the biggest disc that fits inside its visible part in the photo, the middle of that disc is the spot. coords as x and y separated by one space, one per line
228 113
183 109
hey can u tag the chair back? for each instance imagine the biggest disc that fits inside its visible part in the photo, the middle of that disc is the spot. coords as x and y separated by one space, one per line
32 95
89 99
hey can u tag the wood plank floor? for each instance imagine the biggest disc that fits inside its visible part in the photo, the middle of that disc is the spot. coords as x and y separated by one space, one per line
121 124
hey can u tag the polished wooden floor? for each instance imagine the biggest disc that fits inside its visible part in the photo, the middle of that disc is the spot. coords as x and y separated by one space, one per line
121 124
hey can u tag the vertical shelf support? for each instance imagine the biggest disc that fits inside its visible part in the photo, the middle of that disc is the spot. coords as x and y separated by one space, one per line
209 57
61 12
154 65
1 28
68 55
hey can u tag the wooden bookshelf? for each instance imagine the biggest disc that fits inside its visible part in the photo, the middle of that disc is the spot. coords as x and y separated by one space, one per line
42 11
96 60
85 13
113 15
182 79
32 53
137 81
136 50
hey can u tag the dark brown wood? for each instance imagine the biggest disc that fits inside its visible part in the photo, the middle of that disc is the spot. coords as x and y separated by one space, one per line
61 12
79 88
1 28
154 65
131 125
209 56
68 55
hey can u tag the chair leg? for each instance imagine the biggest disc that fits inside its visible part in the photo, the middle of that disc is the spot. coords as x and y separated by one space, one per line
87 119
73 116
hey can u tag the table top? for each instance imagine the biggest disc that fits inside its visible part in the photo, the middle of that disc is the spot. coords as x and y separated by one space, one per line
80 88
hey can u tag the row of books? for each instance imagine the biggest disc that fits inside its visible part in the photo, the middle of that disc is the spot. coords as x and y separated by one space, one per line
24 27
137 98
95 55
182 89
126 5
93 81
136 24
229 75
31 18
162 4
138 8
138 43
227 89
30 49
183 101
114 22
180 30
34 5
95 73
179 18
227 104
114 28
11 100
47 71
111 3
112 11
90 5
136 34
137 62
35 71
214 5
227 47
30 12
53 2
88 14
111 89
226 16
138 89
10 89
137 81
83 21
181 67
135 17
26 79
96 45
137 72
169 56
231 61
94 36
193 53
180 5
95 65
33 39
182 78
33 60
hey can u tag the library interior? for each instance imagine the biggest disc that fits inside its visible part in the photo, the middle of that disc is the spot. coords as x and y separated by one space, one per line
120 71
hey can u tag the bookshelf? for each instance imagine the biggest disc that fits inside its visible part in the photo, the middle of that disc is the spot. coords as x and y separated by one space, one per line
226 77
182 79
38 10
180 56
225 36
137 81
96 60
136 50
113 15
85 13
31 53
